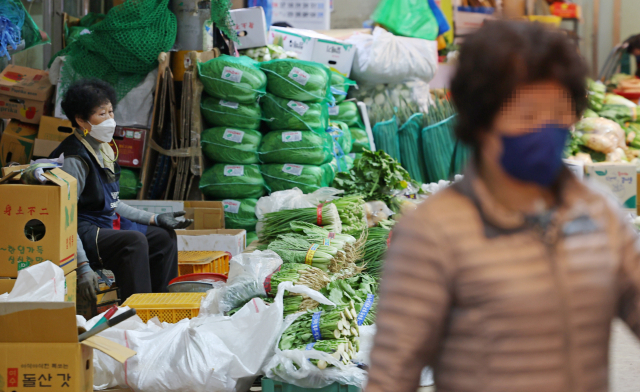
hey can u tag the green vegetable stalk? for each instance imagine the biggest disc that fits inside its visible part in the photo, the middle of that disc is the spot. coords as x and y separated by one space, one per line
277 223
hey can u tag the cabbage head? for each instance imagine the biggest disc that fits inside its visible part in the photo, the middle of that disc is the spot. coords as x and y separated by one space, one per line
220 113
229 145
287 114
299 80
222 181
302 147
236 79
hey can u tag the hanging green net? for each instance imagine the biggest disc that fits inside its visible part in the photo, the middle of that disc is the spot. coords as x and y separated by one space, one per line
439 142
385 135
221 17
123 48
411 149
129 184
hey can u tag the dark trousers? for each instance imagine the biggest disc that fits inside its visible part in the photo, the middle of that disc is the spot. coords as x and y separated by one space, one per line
141 263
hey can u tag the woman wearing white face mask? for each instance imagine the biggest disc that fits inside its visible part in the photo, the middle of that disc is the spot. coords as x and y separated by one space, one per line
112 235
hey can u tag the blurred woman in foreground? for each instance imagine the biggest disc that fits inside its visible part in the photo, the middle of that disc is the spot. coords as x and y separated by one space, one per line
509 280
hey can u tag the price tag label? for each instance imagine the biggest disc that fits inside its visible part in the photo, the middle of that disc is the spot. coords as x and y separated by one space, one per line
229 104
299 76
296 170
289 137
233 135
234 171
298 107
231 206
231 74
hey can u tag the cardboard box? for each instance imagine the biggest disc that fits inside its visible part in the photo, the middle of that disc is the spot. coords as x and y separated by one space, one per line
70 284
130 143
54 129
39 348
232 241
251 27
304 14
621 179
312 46
207 215
52 205
24 93
468 22
17 141
44 148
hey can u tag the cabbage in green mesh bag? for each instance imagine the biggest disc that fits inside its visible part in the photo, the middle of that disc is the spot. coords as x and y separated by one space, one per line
342 164
232 181
231 145
240 214
236 79
288 114
221 113
360 140
299 80
129 184
340 86
303 147
347 112
341 135
251 236
307 178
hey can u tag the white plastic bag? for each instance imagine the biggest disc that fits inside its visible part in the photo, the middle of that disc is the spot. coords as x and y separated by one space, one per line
294 198
294 367
385 58
43 282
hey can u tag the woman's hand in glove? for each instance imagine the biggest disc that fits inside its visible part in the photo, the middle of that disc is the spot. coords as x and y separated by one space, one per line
168 220
87 282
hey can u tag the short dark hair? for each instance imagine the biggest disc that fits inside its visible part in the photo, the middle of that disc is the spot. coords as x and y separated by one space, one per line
503 56
634 43
84 96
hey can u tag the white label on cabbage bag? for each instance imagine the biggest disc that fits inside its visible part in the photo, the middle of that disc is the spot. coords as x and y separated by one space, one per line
334 110
234 171
231 206
298 107
229 104
233 135
232 74
288 137
296 170
299 76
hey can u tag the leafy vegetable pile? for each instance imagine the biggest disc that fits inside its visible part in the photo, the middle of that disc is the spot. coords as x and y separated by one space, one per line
347 112
280 222
302 147
287 114
308 178
298 80
240 214
228 145
237 79
221 113
232 181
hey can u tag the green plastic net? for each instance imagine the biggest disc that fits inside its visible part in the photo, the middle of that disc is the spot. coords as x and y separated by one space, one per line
123 48
72 33
302 147
129 184
411 148
438 142
360 140
221 113
237 79
347 112
229 145
307 178
299 80
286 114
240 214
342 141
340 86
221 17
232 181
385 135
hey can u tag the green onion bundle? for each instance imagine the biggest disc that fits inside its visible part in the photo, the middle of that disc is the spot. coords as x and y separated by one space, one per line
332 325
341 349
277 223
299 274
296 249
352 213
374 250
298 303
357 294
317 233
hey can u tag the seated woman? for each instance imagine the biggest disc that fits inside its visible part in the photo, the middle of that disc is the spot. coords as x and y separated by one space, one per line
141 249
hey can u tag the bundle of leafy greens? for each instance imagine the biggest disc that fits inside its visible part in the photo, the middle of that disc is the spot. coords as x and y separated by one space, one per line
279 222
297 249
619 113
352 213
332 325
237 79
596 95
299 274
374 250
358 292
374 177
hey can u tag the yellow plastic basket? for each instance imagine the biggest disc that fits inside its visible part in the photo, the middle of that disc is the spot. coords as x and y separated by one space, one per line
168 307
205 261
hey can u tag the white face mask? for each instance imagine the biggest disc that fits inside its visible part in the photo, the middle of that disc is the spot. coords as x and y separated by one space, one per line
103 131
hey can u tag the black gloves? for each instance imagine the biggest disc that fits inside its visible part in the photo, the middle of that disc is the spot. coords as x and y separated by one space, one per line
168 221
87 283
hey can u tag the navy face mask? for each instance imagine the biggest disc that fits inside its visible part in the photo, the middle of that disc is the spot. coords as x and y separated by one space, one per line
535 156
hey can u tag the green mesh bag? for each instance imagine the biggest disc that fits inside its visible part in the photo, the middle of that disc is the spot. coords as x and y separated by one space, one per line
123 48
290 115
340 86
72 33
360 140
232 181
301 147
438 143
221 17
129 184
236 79
385 135
299 80
228 145
220 113
461 155
411 148
341 136
347 112
240 214
307 178
342 164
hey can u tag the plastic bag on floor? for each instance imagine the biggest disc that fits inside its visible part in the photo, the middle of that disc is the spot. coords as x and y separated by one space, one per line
382 57
294 198
294 366
43 282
